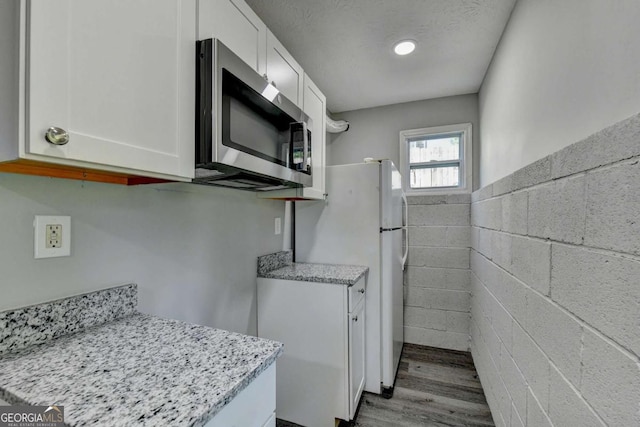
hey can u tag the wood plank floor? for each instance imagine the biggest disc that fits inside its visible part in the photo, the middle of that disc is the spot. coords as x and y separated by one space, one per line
434 387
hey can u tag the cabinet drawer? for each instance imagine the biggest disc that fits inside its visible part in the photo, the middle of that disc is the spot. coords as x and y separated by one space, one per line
356 293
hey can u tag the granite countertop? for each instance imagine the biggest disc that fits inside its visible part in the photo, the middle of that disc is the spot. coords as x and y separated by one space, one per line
280 266
136 370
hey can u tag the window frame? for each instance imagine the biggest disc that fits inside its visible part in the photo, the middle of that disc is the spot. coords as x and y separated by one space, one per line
466 158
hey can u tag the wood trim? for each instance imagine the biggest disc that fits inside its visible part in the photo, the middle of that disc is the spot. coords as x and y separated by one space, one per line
30 167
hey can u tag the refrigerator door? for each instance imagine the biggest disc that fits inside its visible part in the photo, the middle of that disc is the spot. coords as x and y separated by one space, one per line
391 195
392 303
345 229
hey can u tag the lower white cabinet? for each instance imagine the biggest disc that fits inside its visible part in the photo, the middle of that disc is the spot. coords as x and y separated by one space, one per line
253 407
321 373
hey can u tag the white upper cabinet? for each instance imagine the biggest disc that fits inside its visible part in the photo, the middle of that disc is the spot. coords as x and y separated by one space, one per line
237 26
283 71
118 77
315 106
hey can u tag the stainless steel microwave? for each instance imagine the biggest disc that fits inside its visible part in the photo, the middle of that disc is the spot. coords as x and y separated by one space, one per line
248 135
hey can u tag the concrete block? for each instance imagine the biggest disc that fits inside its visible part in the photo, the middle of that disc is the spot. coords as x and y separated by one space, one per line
424 318
458 321
487 213
414 316
413 296
484 243
515 212
450 199
427 200
503 186
557 333
567 407
438 257
512 295
601 289
611 381
557 210
536 416
618 142
504 401
428 236
441 299
533 364
439 214
440 236
458 199
487 373
434 338
483 193
475 237
516 419
501 249
458 237
613 209
514 381
502 324
492 341
438 278
531 262
476 299
487 272
532 174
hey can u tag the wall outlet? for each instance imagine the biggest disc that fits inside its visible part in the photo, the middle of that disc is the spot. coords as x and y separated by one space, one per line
52 236
278 226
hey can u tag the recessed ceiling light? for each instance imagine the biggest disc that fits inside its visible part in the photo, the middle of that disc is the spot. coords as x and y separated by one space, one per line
404 47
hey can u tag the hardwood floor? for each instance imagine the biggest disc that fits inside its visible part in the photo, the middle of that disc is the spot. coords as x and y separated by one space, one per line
434 387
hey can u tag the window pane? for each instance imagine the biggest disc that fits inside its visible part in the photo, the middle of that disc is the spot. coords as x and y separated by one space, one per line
435 149
435 177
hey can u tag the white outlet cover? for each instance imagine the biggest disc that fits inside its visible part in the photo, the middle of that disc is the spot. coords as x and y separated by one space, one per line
278 226
40 236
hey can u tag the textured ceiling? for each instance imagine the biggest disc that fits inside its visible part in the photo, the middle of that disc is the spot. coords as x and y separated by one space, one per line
346 45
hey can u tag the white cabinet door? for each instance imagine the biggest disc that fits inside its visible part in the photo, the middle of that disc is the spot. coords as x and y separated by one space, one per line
252 407
237 26
315 105
356 356
118 76
283 71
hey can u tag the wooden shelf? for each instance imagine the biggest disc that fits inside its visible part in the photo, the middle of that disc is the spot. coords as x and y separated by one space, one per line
30 167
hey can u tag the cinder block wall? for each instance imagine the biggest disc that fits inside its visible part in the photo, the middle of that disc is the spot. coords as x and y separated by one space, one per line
437 277
555 306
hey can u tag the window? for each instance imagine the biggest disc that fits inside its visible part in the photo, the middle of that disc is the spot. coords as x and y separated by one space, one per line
436 160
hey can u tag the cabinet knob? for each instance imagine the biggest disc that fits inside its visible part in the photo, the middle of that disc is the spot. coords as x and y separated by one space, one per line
57 136
355 318
361 290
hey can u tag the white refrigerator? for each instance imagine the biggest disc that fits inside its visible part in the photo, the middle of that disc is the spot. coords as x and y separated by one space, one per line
363 221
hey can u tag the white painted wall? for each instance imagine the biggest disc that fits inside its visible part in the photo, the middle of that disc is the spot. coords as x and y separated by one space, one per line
374 132
562 71
192 250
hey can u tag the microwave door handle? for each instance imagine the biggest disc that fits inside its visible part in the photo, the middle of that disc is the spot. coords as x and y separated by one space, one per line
305 139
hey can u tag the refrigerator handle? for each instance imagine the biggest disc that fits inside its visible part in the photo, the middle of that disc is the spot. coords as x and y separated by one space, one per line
406 230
